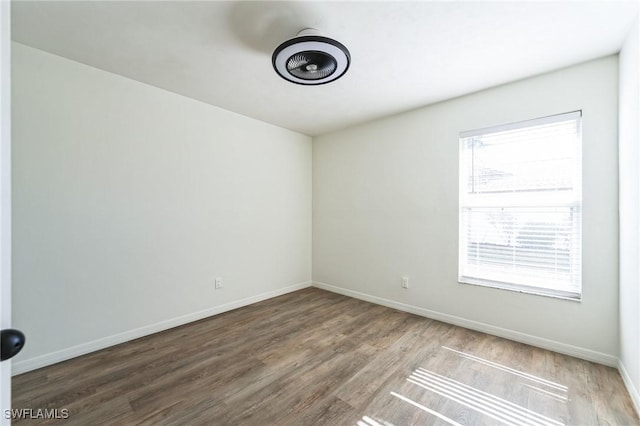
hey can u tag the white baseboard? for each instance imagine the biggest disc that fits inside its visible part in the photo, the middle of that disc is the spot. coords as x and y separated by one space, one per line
633 392
540 342
23 366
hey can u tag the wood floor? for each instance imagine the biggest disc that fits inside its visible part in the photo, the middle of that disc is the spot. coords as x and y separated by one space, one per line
318 358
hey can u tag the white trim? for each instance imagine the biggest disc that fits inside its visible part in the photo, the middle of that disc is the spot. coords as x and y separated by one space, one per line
5 195
557 118
538 291
633 392
540 342
95 345
26 365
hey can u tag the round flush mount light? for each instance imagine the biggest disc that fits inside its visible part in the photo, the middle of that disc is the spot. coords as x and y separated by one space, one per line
311 59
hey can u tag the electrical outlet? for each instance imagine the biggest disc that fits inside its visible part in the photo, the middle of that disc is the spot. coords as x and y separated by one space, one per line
218 283
405 282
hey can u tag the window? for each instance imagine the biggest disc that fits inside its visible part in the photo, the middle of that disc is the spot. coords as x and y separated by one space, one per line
520 206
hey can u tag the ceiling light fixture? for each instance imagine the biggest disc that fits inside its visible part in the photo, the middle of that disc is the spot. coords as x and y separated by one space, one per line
311 59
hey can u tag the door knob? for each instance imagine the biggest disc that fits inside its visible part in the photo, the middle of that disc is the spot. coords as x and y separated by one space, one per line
11 342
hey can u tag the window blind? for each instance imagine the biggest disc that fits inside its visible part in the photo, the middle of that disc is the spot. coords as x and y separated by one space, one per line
520 206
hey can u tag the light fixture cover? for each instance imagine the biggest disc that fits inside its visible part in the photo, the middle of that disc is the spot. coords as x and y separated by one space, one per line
311 59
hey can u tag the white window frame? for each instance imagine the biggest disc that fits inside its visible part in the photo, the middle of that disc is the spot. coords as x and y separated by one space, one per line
469 201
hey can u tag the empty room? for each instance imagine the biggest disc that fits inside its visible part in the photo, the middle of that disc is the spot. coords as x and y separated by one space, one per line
320 212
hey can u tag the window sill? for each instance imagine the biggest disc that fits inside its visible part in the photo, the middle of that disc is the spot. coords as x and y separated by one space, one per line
573 297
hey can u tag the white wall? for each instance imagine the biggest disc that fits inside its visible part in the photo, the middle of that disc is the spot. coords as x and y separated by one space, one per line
630 212
385 204
129 200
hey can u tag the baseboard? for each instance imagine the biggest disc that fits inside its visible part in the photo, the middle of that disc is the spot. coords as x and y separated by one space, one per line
26 365
633 392
540 342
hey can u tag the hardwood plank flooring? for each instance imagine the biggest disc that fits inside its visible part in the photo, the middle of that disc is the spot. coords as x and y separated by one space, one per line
317 358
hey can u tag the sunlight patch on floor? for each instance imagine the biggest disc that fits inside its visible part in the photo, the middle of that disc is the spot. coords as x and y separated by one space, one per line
428 410
501 367
483 402
368 421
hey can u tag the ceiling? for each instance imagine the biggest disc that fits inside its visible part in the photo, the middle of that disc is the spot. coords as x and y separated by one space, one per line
404 54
